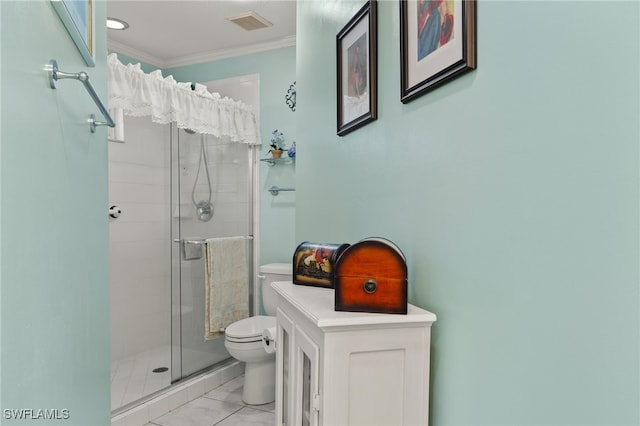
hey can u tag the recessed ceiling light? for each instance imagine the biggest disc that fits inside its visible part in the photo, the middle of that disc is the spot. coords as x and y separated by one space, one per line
116 24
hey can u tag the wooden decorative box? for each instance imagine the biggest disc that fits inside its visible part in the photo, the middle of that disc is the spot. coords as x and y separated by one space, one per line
314 263
371 276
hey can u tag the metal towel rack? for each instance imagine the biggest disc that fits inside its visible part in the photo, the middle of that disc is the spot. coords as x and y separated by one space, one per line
204 240
55 74
275 190
191 248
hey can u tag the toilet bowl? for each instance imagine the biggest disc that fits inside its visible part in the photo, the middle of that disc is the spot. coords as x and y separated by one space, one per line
243 340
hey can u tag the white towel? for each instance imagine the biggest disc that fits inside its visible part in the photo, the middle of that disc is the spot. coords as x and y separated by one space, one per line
227 284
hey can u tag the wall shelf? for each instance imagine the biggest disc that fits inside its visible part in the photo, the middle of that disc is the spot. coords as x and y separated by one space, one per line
282 160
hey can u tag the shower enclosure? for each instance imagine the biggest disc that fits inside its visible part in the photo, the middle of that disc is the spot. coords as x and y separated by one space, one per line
174 189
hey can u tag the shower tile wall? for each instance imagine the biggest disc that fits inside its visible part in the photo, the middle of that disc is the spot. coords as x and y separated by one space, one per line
139 181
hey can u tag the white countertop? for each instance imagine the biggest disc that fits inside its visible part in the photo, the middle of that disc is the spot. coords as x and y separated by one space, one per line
318 305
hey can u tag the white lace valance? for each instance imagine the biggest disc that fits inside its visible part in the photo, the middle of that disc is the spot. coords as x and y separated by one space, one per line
166 101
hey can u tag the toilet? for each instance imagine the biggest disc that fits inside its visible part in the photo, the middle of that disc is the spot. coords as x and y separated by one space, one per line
243 340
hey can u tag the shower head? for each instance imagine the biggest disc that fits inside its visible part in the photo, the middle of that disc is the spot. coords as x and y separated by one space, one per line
191 132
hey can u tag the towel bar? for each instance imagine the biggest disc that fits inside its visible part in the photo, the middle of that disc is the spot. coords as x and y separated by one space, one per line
275 190
55 74
203 241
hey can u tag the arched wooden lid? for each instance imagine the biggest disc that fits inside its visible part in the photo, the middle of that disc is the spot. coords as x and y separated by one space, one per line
373 257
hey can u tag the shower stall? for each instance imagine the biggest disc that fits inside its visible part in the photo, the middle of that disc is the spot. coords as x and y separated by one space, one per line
174 189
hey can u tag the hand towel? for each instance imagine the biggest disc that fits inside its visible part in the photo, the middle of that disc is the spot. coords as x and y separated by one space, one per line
227 284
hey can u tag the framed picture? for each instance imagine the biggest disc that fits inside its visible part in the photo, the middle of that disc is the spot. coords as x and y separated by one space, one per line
77 17
437 43
356 47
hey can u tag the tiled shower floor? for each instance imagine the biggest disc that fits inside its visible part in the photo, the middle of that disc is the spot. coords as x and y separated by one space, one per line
133 378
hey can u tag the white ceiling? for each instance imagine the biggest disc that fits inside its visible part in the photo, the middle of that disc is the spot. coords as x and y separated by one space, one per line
183 32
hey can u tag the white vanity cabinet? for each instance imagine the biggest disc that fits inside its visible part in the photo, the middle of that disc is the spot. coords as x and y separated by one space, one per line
349 368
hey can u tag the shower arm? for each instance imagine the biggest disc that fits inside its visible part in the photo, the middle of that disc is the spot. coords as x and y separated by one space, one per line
55 74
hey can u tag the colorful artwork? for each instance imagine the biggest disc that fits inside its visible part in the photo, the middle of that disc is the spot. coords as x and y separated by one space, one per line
437 44
357 65
435 25
313 263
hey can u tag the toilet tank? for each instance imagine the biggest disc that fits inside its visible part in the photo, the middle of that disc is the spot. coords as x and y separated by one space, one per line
273 272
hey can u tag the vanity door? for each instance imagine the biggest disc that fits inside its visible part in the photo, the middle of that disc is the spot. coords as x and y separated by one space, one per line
307 398
284 369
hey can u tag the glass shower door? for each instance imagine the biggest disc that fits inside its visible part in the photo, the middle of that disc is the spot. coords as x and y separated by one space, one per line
212 187
140 253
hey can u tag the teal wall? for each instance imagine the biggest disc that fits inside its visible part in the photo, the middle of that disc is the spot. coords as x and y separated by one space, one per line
277 70
54 279
513 192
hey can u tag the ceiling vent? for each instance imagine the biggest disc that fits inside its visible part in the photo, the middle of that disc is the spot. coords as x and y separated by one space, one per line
250 21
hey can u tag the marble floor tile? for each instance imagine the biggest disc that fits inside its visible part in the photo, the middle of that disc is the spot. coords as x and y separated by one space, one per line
222 406
230 391
199 412
249 417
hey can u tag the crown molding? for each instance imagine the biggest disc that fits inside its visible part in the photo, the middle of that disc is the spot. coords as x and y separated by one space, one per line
230 53
117 47
201 57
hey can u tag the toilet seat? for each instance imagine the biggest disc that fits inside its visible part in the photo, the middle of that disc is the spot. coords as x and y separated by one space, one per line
249 329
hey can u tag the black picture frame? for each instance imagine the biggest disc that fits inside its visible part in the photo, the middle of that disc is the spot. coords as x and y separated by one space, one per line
356 50
437 44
